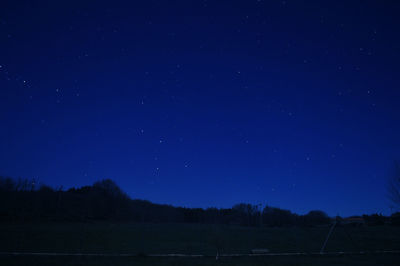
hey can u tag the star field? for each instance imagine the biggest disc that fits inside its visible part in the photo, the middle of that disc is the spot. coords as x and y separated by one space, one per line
205 103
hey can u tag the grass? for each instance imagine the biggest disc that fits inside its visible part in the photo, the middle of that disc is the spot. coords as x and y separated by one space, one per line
364 260
192 239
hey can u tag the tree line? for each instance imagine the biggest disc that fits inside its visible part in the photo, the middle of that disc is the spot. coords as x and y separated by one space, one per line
24 201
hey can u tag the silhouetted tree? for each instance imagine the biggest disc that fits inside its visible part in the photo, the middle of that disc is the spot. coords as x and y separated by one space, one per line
7 184
246 214
278 217
395 219
105 200
374 219
316 217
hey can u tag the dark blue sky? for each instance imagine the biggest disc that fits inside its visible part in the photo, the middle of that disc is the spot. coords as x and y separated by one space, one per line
205 103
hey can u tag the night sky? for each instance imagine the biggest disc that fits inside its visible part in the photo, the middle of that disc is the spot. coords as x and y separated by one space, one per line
294 104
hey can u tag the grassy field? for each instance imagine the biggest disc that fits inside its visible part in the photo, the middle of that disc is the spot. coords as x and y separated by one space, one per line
369 260
193 239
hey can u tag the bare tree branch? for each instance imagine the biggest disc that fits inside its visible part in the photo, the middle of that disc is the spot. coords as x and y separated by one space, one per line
394 186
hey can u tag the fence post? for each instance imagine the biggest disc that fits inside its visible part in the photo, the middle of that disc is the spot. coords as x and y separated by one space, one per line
327 238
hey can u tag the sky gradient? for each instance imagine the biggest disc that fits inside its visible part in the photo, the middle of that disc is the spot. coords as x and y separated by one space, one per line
293 104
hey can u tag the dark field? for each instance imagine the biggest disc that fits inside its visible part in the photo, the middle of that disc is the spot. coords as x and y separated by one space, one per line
270 261
144 239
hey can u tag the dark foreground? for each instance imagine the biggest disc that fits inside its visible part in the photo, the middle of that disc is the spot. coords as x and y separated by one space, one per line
354 260
142 240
